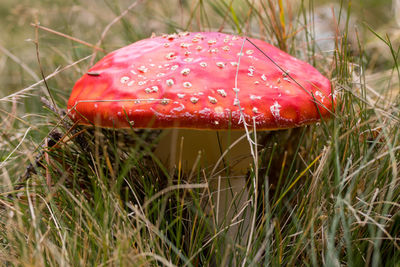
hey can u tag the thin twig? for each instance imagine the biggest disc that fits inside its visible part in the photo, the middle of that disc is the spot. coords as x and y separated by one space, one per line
68 37
40 65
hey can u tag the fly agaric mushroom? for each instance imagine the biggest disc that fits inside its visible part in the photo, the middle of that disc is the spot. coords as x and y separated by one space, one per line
187 80
195 81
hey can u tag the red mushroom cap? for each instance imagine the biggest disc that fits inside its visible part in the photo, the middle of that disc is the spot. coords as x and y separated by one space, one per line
187 80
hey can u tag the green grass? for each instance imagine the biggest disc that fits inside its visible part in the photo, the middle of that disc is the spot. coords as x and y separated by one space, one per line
328 194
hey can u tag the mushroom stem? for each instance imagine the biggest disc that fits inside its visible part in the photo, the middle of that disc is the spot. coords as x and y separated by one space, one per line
227 182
